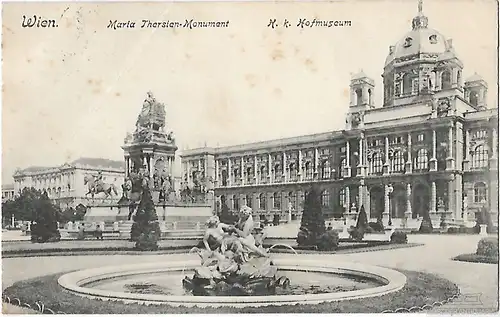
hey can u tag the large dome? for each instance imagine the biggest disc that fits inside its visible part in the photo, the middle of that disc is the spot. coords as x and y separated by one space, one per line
421 39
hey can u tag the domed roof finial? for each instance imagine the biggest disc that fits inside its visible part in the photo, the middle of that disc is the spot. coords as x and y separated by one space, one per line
420 21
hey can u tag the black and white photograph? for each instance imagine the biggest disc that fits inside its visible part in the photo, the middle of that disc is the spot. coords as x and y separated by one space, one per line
268 157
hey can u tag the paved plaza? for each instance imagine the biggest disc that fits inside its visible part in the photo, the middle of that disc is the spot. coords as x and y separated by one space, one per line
478 282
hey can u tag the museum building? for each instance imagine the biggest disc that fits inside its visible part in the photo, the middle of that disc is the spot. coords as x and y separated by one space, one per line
431 147
65 184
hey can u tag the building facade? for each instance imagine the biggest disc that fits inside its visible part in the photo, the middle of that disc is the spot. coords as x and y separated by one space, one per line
430 148
8 192
65 184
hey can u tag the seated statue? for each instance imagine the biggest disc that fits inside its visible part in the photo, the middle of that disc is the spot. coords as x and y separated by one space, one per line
244 229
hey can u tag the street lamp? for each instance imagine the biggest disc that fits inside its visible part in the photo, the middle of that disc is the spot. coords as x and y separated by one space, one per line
390 189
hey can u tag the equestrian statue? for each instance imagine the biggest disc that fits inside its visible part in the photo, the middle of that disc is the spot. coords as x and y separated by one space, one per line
96 185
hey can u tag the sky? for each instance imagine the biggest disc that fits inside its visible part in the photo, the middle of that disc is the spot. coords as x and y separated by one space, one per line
76 90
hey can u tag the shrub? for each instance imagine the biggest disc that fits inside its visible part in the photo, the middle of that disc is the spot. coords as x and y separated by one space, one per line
376 226
135 232
464 229
312 224
45 216
356 233
226 216
476 258
369 229
304 238
488 247
453 230
362 221
328 241
146 231
426 225
399 237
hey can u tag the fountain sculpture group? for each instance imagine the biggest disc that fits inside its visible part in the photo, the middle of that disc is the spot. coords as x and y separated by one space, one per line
234 262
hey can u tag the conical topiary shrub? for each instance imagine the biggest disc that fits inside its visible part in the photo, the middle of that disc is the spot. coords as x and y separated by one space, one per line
146 230
362 221
313 222
426 225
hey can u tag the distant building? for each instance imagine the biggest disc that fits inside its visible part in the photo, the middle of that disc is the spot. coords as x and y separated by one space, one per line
65 184
431 147
8 192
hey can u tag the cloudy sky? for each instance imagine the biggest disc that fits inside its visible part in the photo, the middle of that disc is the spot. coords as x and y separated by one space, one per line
76 90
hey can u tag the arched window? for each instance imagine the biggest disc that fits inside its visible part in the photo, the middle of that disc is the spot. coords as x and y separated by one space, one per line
276 201
474 98
343 166
236 202
342 197
292 198
398 162
376 163
293 172
480 157
359 97
446 79
262 201
263 173
309 171
459 78
325 169
236 174
325 198
277 172
248 200
370 97
480 192
249 175
421 160
407 84
300 200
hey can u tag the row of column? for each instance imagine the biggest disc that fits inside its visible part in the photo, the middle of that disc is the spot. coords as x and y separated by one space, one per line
148 160
286 175
286 202
362 195
58 181
450 161
61 180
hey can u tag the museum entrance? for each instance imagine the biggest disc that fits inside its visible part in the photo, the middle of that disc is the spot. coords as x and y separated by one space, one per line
420 203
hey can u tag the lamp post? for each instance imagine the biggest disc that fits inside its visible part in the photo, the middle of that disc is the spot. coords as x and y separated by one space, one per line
390 189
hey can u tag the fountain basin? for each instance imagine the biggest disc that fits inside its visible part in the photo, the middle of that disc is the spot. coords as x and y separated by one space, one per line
79 283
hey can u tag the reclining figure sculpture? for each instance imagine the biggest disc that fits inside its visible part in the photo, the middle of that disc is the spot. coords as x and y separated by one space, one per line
232 264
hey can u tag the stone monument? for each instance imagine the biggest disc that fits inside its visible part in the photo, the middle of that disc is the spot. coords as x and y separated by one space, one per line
149 154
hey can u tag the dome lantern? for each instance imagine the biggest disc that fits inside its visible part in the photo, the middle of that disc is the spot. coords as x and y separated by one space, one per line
420 21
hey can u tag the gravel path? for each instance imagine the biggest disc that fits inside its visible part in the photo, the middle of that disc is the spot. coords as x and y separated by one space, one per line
478 282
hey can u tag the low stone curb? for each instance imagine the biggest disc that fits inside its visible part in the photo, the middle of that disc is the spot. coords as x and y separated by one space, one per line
416 309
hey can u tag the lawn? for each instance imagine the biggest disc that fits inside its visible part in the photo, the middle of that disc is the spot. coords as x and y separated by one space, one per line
473 257
422 291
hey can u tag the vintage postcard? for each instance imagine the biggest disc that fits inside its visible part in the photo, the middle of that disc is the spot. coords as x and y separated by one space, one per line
250 157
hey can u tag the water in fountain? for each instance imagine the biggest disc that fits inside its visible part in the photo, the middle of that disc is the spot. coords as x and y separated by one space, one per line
283 245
